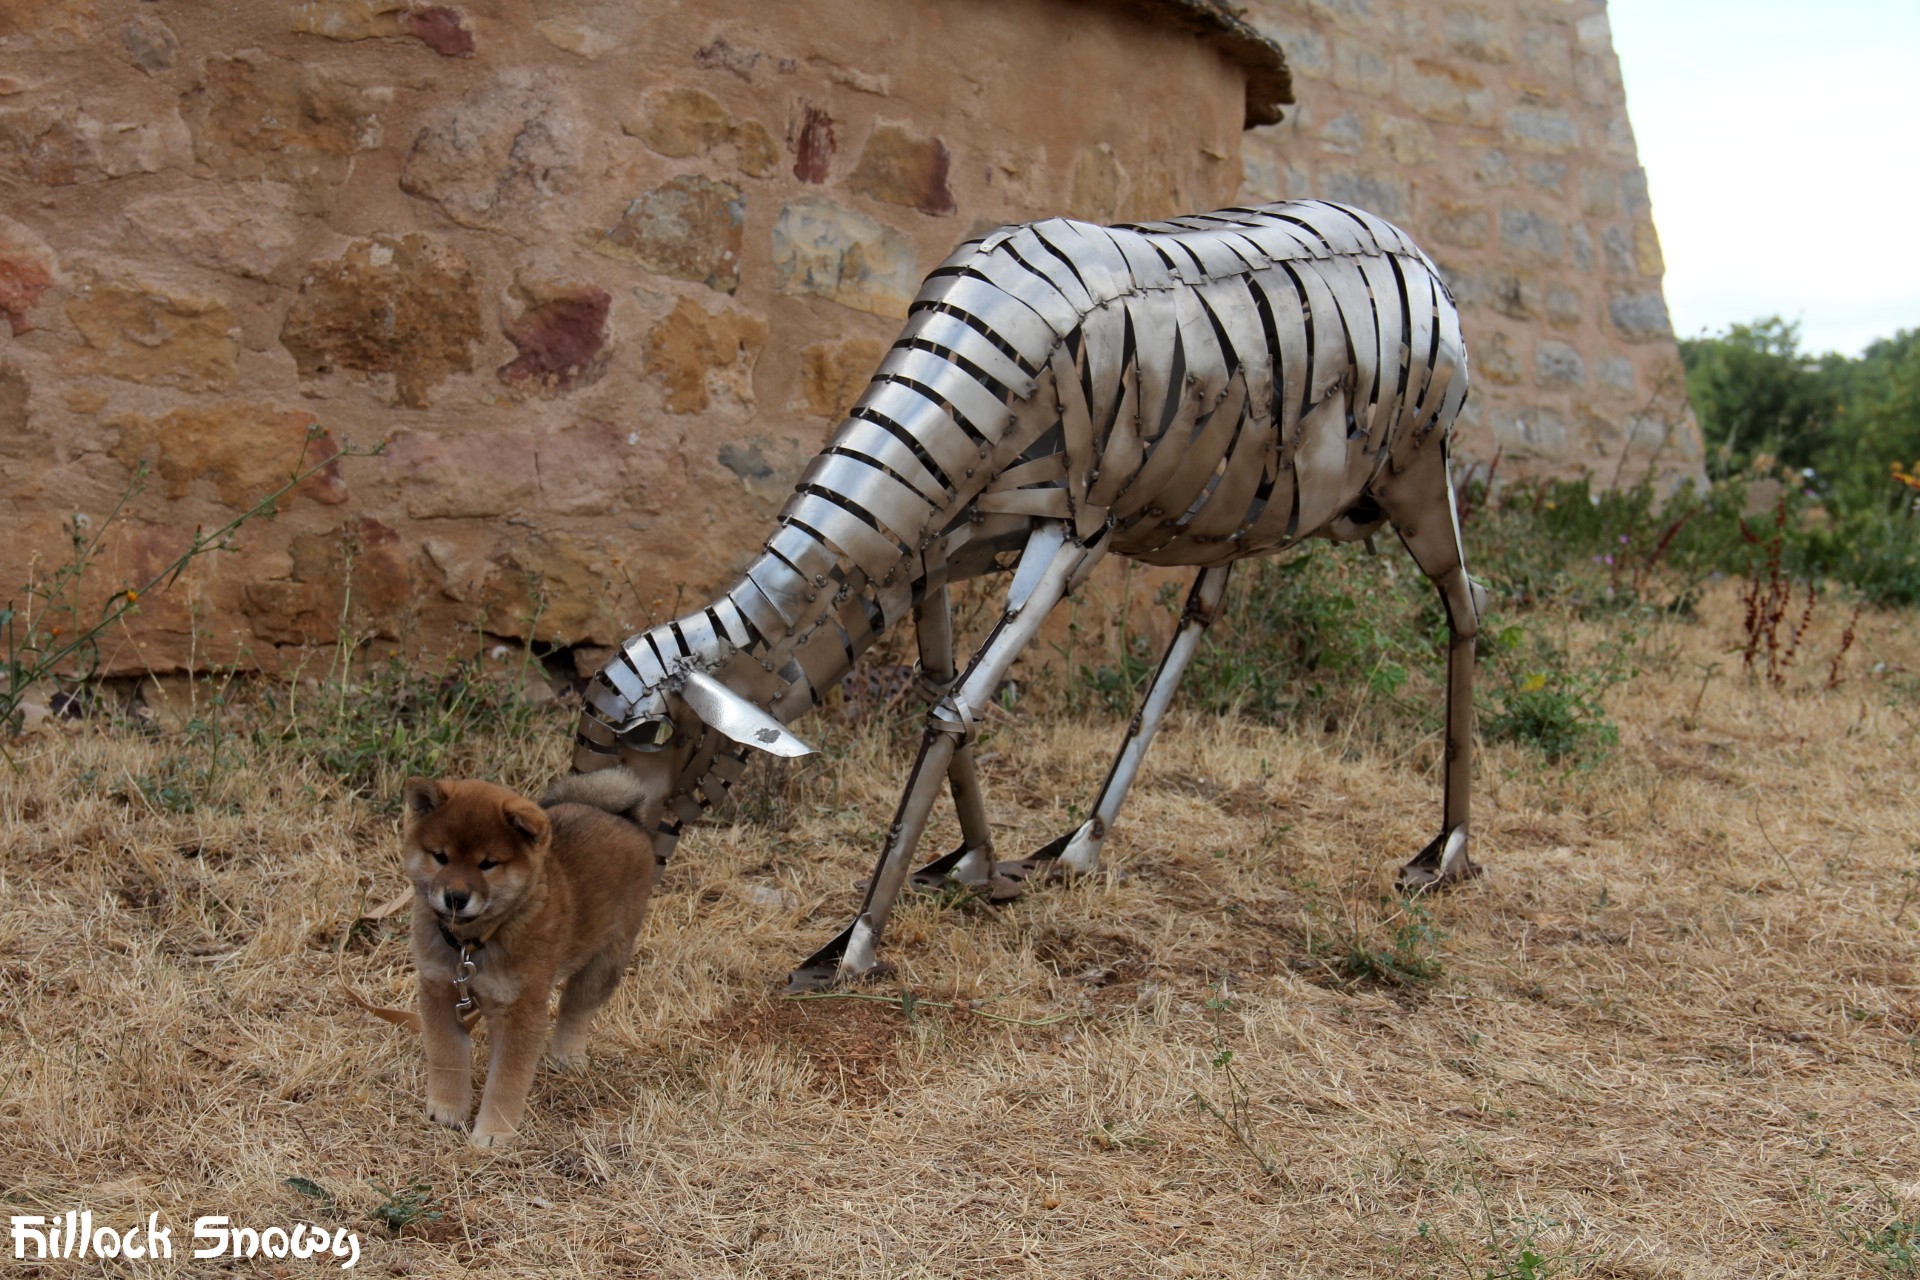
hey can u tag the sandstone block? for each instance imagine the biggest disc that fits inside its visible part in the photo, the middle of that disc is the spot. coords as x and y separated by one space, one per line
1348 14
1496 359
1581 241
552 589
149 334
1565 307
1476 34
1558 366
1531 235
150 43
1548 53
813 146
1379 192
1494 169
26 270
1620 137
407 308
440 27
1514 294
1547 130
823 248
1548 175
1406 140
465 474
1616 374
699 355
1640 317
1599 193
48 24
599 469
1470 226
561 337
1647 259
244 235
899 167
1534 432
753 149
1308 52
1617 244
1633 193
833 374
589 28
356 578
58 143
1446 92
681 122
243 450
1344 134
1358 66
691 229
505 151
745 460
15 391
253 115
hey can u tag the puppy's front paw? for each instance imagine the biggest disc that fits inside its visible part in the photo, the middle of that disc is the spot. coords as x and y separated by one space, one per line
567 1064
453 1114
490 1136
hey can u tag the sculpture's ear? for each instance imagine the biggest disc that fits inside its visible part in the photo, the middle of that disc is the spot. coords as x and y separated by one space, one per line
721 708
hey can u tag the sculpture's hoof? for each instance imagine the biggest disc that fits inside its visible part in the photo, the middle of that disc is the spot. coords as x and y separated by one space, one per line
1441 865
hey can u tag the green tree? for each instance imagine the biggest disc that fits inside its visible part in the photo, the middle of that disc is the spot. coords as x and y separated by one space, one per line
1756 392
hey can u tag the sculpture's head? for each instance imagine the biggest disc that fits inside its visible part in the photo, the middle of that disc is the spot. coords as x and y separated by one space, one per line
657 731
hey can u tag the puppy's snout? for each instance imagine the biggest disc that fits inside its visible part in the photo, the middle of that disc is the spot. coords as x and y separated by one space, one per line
454 901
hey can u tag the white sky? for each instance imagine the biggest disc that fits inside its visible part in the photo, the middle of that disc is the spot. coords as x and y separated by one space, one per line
1781 140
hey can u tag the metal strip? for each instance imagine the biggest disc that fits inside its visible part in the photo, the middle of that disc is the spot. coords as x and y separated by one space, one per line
871 440
929 424
902 514
856 541
1002 270
809 557
1000 314
952 332
984 411
1050 504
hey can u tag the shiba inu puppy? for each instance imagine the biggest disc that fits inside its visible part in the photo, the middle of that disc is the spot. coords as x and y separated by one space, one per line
512 899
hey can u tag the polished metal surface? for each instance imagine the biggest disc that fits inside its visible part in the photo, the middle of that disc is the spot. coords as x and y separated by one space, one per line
1189 392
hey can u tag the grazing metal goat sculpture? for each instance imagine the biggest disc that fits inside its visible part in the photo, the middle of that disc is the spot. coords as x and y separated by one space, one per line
1189 392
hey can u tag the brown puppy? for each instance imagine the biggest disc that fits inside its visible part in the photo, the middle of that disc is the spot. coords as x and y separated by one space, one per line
533 896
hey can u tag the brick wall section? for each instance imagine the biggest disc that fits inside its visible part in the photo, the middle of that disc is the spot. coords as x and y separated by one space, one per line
604 274
1496 132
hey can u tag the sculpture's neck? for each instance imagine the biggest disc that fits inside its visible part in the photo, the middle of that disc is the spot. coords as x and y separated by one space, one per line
811 623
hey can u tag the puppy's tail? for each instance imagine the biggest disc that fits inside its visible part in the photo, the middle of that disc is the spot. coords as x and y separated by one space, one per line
613 790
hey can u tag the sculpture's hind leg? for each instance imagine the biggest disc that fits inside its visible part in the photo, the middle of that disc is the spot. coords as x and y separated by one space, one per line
1049 567
1080 851
972 862
1419 502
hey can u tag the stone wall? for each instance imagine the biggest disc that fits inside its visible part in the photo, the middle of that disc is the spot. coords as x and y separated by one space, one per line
1496 132
602 274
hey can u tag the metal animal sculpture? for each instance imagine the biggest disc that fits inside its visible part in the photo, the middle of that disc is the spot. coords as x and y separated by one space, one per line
1189 392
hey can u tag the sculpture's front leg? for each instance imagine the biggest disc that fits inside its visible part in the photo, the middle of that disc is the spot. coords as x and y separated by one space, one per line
1079 851
1050 565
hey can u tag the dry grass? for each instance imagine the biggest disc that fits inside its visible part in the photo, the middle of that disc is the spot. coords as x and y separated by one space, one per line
1674 1035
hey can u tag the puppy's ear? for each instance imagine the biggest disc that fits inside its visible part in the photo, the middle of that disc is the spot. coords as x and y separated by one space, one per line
424 795
527 819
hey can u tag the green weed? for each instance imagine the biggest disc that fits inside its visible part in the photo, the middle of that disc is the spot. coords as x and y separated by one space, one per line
53 635
405 1205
